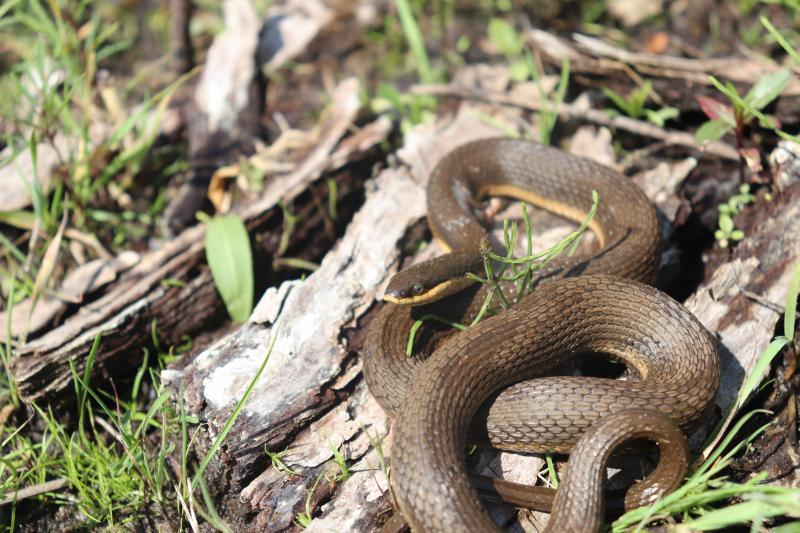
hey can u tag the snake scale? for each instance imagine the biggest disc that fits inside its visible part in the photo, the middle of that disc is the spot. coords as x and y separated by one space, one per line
492 372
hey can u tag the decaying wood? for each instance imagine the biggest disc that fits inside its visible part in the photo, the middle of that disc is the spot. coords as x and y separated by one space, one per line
312 398
125 315
26 319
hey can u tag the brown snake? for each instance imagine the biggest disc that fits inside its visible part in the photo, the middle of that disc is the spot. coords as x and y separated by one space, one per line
583 306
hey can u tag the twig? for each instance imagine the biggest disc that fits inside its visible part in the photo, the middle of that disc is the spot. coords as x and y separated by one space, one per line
110 429
180 40
35 490
594 55
638 127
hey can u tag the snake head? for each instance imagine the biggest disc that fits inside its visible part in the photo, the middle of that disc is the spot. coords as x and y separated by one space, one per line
432 280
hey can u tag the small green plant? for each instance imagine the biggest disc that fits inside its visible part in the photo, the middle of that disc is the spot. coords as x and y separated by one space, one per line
633 105
522 270
277 462
742 110
726 231
341 462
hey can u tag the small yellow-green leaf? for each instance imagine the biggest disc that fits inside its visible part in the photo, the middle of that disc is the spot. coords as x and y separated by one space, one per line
662 115
519 71
230 259
725 223
767 88
504 37
711 131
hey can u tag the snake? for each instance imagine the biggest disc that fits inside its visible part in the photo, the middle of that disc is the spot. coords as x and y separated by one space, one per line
488 381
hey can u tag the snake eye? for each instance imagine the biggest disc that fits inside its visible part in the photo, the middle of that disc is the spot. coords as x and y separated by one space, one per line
418 288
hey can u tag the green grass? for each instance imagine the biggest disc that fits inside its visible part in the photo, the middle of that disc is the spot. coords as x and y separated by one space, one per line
276 458
303 519
52 91
122 461
340 460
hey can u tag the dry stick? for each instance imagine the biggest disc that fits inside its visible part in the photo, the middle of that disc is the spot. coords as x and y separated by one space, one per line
602 57
180 40
638 127
35 490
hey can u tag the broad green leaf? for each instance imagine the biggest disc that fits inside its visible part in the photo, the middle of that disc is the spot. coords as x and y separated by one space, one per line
791 304
711 131
229 257
768 88
505 37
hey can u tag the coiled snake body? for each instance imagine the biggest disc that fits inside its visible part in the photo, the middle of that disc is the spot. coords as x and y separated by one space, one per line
595 305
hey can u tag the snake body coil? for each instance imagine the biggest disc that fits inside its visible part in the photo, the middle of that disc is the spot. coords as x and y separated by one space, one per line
579 309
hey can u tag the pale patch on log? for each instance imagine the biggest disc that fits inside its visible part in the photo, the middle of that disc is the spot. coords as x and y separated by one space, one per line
308 355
